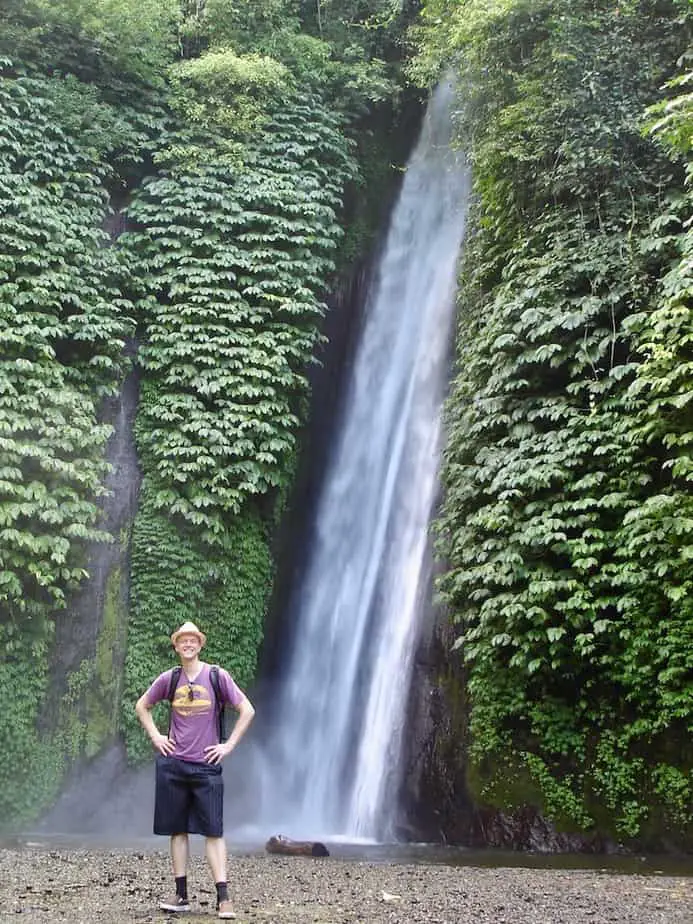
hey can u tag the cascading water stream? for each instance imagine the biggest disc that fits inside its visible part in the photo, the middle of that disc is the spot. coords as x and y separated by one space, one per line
338 725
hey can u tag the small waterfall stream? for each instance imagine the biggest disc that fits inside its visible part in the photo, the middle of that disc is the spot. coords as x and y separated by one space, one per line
337 729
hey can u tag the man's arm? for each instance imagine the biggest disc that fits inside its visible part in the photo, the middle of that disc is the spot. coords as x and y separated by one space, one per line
162 743
246 712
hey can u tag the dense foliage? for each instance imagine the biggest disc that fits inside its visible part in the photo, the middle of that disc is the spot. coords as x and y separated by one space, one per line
62 328
240 141
224 130
231 260
231 249
567 525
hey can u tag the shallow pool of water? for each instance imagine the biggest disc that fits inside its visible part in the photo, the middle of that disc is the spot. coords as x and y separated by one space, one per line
660 864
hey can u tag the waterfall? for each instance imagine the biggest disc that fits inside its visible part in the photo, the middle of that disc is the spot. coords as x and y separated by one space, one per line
334 750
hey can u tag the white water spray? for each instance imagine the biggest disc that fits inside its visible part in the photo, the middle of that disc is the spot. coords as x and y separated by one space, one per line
335 748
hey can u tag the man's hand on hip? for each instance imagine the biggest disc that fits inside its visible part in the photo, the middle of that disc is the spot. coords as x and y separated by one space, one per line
163 744
215 753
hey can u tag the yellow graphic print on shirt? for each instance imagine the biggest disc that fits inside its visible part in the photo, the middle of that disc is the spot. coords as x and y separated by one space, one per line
200 702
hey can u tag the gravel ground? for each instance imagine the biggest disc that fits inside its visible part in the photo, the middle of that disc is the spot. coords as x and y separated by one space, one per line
117 886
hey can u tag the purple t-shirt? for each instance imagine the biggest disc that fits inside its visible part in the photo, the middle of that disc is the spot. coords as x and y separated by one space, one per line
194 724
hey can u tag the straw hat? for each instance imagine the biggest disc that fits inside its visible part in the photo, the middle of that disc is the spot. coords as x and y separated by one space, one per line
189 628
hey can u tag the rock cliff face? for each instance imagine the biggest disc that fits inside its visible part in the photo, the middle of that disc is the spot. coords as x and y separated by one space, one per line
437 803
437 806
437 796
83 701
327 384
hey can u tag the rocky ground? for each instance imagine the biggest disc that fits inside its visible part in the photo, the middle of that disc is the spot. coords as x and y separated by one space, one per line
115 886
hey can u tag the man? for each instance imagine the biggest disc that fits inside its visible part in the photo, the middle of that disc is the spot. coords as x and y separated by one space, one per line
189 785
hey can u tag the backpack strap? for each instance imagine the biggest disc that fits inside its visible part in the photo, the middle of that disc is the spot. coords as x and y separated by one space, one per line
173 683
175 677
214 680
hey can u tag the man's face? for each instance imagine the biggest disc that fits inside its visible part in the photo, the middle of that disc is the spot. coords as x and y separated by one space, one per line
188 646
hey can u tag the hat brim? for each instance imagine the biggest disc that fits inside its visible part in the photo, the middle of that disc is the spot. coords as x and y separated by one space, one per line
201 636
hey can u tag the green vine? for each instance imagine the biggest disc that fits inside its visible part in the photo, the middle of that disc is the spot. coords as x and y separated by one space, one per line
229 250
233 263
567 525
63 324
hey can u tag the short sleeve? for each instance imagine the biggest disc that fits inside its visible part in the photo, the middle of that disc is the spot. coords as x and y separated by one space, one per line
159 689
230 692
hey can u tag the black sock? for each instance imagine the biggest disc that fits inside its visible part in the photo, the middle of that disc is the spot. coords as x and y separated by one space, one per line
222 892
182 887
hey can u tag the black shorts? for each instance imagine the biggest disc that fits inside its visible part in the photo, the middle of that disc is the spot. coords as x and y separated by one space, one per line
189 798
